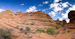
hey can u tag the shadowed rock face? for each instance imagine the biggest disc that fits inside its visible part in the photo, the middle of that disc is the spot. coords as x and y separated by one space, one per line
71 16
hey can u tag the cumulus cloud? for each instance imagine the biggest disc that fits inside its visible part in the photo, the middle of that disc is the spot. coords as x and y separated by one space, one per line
2 10
57 7
65 4
57 0
60 18
68 20
52 13
65 15
21 4
32 9
46 2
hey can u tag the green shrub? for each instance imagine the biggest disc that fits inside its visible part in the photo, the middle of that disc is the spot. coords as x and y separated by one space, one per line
57 27
5 34
50 31
39 30
27 28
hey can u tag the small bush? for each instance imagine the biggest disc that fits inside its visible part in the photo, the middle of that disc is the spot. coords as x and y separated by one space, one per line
39 30
50 31
5 34
57 27
27 28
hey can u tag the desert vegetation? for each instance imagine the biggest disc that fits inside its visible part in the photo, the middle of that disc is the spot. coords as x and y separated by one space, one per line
57 27
50 31
40 30
27 28
5 34
33 26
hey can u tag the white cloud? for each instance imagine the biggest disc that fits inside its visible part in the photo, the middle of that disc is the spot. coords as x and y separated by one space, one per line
60 19
21 4
32 9
59 7
56 7
65 4
68 20
72 8
2 10
65 15
69 9
52 13
46 2
57 0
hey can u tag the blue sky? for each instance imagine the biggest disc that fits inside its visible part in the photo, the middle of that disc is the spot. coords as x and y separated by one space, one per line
57 9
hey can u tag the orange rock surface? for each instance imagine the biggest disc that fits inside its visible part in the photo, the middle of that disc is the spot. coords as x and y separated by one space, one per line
35 20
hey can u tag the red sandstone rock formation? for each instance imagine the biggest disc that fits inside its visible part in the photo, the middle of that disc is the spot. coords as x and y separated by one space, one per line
71 16
34 20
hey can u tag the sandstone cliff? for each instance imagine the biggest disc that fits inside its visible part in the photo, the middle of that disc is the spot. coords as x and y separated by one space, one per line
39 18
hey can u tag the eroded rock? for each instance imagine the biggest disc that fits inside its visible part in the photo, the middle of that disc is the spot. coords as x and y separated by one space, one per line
71 16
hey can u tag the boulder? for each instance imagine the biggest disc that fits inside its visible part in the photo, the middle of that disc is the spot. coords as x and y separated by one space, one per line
71 16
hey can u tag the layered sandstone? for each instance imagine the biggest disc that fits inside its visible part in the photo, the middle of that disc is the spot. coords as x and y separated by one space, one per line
38 18
34 20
